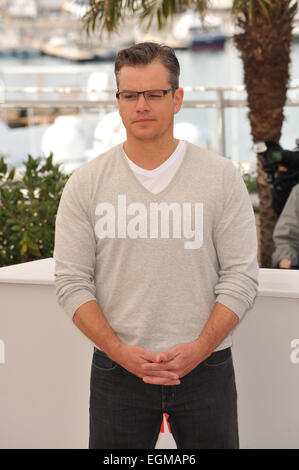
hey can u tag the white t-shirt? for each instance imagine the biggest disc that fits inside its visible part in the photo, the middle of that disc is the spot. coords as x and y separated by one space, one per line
157 179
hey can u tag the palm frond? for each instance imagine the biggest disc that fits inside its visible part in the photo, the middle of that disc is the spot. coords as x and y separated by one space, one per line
109 14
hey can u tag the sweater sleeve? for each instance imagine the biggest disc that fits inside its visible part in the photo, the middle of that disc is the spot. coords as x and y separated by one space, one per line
236 245
286 232
74 248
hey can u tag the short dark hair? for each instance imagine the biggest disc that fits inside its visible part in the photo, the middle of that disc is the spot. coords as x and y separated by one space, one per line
146 52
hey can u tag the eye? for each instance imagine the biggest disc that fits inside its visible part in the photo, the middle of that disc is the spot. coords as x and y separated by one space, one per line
154 95
129 96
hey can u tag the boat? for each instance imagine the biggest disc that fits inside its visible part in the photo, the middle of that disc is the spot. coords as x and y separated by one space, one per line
205 40
200 34
61 46
188 31
206 34
71 47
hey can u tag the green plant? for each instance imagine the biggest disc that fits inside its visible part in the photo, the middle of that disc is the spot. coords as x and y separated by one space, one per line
249 176
28 207
250 179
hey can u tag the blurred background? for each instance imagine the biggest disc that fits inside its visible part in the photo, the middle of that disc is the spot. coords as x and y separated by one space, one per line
51 74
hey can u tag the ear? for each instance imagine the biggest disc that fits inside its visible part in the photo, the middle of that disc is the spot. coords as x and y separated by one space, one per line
117 101
178 99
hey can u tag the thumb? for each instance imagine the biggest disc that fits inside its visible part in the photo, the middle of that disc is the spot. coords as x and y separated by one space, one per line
165 356
150 356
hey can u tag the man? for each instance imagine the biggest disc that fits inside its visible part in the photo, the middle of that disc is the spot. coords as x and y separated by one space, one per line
286 234
155 251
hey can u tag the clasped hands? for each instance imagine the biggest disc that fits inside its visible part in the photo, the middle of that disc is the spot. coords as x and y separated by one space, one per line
164 368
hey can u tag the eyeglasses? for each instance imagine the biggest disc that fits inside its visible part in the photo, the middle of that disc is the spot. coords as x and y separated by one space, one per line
149 95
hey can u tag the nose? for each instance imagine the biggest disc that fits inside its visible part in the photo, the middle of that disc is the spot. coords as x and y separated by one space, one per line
141 102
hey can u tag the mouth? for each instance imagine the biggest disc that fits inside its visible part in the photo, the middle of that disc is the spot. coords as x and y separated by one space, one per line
144 120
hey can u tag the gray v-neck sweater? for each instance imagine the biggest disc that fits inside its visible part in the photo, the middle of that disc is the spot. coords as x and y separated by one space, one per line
156 263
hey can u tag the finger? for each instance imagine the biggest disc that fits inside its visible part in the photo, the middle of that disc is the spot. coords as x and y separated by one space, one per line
154 380
167 355
162 357
153 367
150 357
164 374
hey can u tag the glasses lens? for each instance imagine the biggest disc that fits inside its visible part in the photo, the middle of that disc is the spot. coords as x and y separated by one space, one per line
153 95
150 95
131 96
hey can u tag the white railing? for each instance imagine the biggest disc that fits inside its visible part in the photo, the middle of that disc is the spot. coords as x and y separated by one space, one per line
220 103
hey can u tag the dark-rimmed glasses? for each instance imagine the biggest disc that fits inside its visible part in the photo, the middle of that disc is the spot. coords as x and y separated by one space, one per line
149 95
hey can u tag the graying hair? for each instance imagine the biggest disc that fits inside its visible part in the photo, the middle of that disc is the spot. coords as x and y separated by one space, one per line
146 52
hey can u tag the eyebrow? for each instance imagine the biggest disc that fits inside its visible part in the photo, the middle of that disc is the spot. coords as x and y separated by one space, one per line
135 91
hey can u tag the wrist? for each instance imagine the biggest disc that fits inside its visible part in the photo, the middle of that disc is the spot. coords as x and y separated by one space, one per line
203 349
115 350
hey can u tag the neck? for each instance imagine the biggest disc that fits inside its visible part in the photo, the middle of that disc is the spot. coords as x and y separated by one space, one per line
149 155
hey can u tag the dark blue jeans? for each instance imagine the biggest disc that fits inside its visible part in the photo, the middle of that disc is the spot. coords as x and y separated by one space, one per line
126 413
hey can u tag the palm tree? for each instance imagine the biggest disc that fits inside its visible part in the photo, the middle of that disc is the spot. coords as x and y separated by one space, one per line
264 40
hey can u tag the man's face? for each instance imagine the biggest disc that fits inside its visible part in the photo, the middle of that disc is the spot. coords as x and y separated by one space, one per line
144 120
